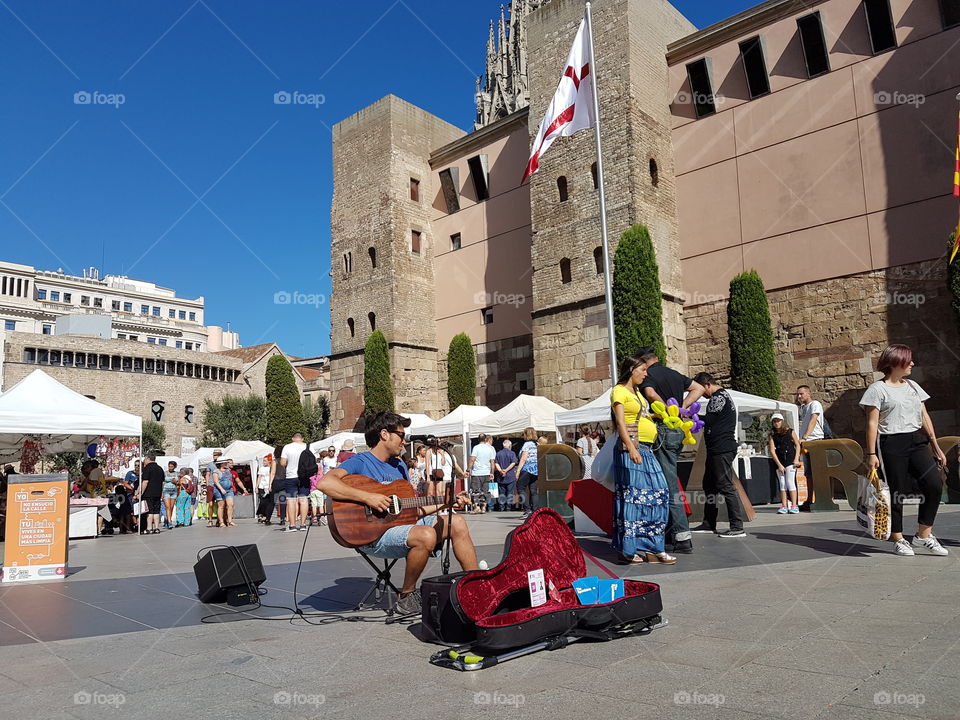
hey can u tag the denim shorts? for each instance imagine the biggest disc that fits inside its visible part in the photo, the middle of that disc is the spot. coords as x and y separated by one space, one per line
393 543
219 495
294 489
171 493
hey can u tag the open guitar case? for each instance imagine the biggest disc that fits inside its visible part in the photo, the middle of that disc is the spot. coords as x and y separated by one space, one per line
487 615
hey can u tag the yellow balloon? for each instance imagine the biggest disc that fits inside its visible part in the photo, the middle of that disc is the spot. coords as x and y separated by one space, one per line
673 410
672 422
659 408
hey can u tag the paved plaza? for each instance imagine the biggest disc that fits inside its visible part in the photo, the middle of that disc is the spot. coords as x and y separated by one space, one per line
805 618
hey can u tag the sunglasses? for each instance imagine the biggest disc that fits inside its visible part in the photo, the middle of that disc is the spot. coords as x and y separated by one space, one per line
399 433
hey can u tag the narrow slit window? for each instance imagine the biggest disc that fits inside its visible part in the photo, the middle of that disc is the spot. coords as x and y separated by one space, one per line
654 173
880 25
414 190
372 317
950 13
565 275
814 45
562 188
755 67
372 252
593 174
701 89
415 241
350 326
598 259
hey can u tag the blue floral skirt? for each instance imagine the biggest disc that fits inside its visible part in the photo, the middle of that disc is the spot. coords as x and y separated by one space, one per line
641 504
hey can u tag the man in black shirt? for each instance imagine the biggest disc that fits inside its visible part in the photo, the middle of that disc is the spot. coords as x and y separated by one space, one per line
151 489
720 436
663 383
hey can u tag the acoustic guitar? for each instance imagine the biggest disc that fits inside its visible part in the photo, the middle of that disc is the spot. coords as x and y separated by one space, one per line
353 524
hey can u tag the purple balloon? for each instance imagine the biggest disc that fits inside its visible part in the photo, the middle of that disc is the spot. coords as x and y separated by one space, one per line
694 408
672 401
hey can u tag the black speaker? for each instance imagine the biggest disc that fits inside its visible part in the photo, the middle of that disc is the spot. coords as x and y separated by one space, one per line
226 573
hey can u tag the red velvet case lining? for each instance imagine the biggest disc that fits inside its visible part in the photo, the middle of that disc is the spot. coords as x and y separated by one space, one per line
543 541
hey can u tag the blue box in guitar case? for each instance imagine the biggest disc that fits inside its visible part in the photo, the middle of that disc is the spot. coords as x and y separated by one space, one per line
586 588
609 590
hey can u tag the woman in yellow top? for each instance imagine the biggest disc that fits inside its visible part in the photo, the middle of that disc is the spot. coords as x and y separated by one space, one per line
641 498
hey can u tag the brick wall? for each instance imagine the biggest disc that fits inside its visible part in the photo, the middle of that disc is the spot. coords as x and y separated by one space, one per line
829 334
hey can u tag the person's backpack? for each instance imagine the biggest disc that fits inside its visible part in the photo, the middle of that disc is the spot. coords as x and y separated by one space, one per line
306 465
827 430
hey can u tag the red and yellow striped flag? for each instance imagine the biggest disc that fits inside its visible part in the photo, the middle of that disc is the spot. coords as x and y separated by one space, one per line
956 191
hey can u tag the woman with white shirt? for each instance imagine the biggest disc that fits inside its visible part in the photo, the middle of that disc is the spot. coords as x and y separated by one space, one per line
907 450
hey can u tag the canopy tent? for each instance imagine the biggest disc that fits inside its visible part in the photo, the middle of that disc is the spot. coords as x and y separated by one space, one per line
38 405
337 440
247 452
417 420
201 457
454 424
598 410
523 412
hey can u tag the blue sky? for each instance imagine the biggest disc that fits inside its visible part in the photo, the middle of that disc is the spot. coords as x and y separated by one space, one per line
197 180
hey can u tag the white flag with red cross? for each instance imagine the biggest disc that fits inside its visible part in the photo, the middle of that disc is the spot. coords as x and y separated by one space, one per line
572 106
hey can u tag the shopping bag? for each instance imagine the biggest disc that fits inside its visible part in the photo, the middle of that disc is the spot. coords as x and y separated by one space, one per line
139 508
873 506
603 464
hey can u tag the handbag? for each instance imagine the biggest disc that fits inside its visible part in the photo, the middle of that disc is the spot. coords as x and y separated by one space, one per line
873 506
140 507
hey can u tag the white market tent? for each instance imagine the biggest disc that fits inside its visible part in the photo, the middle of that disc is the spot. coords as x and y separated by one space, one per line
65 419
598 410
523 412
338 440
454 424
417 420
247 452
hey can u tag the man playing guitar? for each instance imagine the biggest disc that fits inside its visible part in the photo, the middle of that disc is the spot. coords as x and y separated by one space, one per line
385 436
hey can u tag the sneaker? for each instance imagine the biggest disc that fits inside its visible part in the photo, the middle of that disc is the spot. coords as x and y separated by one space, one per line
930 543
794 509
902 547
302 528
703 528
731 533
783 510
409 604
683 546
290 528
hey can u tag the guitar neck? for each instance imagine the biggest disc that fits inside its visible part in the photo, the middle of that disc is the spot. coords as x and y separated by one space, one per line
416 502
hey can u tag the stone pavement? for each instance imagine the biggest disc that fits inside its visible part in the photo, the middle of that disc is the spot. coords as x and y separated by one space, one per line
805 618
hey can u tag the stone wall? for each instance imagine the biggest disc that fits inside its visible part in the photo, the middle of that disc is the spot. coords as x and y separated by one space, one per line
504 370
829 334
630 38
133 392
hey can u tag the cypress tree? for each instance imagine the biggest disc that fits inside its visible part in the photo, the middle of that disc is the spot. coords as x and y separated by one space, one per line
753 365
461 372
377 384
637 298
284 411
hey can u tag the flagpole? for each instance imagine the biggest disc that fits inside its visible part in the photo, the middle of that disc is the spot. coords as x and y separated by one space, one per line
603 201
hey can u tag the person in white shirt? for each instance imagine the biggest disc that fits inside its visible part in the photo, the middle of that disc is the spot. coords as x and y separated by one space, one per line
480 470
588 451
297 495
329 460
811 428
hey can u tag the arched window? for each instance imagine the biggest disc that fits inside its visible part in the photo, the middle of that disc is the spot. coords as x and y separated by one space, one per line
593 173
654 173
372 317
565 270
350 325
598 259
562 187
373 256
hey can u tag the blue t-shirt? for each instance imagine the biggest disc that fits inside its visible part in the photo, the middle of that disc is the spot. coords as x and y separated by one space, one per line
506 458
530 448
131 479
369 465
483 455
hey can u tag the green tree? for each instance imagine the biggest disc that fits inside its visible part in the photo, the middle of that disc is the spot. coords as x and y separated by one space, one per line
377 384
953 279
71 461
637 298
284 411
461 372
233 418
753 364
317 417
154 437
